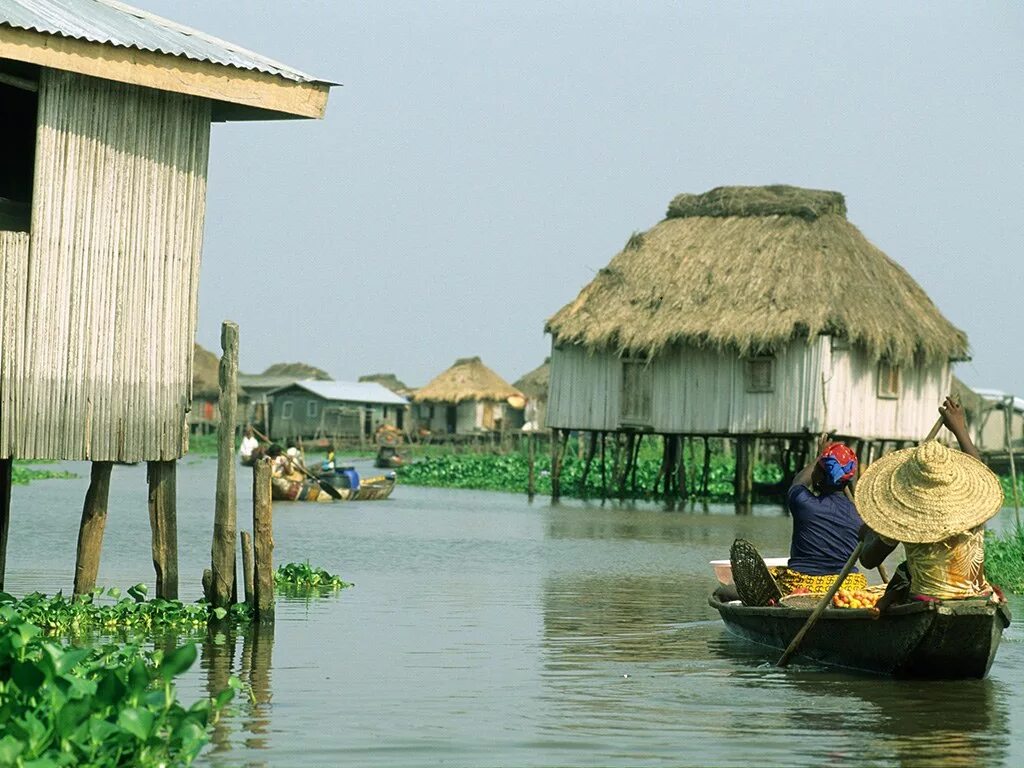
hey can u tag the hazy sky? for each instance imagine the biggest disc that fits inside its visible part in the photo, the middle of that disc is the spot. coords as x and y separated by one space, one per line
483 159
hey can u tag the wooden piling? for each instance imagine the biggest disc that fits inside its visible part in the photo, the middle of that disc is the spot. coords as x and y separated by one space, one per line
247 569
591 450
706 469
6 477
604 477
531 454
744 479
225 515
556 468
90 532
263 544
163 522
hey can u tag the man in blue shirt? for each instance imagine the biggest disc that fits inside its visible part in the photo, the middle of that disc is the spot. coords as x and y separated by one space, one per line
825 524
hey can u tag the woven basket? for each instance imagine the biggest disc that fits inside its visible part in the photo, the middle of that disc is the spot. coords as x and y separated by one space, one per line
754 583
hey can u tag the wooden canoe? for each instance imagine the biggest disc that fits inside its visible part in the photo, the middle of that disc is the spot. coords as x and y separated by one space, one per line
952 639
370 489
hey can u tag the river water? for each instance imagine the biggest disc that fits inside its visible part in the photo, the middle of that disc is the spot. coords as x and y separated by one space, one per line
484 630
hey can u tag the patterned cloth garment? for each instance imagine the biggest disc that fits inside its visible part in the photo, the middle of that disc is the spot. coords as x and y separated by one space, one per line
949 569
789 581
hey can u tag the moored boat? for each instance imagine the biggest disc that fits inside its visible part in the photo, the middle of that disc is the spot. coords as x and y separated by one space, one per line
368 489
947 639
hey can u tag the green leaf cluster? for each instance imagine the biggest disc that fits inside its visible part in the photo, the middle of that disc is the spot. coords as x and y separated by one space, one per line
21 475
1004 559
112 705
300 578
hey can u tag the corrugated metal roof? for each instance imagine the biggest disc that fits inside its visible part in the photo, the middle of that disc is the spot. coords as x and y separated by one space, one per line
999 395
117 24
352 391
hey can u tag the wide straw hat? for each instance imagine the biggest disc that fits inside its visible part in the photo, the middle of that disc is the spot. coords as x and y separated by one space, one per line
927 493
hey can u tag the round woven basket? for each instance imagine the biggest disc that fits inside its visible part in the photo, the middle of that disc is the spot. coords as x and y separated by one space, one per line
754 583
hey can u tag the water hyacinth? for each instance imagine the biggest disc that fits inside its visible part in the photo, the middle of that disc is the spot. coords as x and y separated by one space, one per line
298 578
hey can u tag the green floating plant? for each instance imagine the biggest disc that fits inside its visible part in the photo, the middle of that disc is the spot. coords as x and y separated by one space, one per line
113 705
302 577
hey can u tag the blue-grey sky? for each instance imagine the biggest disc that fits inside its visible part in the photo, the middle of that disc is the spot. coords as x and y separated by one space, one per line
483 159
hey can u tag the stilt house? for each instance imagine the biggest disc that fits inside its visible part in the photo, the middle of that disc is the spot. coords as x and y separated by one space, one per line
107 113
534 385
752 311
469 398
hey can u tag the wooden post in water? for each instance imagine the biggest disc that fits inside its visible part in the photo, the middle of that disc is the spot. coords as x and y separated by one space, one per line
263 545
744 480
531 451
556 469
225 514
6 477
247 570
604 479
163 522
90 532
706 470
1008 434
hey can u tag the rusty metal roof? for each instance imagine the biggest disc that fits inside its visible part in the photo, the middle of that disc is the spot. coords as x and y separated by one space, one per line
120 25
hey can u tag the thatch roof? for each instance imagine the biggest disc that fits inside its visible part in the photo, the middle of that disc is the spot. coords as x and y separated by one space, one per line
535 383
748 269
467 379
391 381
299 371
205 373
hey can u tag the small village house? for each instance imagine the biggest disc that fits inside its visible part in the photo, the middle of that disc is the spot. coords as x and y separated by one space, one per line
329 409
752 311
468 399
107 118
258 411
534 385
996 423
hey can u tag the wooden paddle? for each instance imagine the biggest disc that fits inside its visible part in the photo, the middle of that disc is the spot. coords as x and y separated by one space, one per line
823 604
329 489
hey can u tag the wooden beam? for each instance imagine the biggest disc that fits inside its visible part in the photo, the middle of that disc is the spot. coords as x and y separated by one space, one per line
263 545
250 88
222 555
90 532
163 522
6 476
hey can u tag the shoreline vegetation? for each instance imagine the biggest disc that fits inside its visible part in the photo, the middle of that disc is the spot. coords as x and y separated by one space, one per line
25 472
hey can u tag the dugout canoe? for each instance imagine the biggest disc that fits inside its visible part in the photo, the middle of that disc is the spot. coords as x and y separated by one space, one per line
370 489
954 639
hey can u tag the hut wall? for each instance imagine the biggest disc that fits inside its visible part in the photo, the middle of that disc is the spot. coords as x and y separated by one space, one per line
856 409
105 334
13 283
584 389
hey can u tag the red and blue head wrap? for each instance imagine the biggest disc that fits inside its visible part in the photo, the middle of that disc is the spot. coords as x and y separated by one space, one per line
839 464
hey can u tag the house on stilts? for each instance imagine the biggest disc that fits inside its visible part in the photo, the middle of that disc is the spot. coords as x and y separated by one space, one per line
108 112
534 385
750 312
468 399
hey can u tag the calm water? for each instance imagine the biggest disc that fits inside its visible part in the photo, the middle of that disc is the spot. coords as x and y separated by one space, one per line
485 631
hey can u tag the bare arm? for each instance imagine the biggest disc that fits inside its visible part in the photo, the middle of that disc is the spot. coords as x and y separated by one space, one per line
875 549
955 421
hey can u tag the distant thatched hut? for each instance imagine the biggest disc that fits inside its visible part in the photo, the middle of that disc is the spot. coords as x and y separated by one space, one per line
535 386
204 415
107 123
468 398
752 311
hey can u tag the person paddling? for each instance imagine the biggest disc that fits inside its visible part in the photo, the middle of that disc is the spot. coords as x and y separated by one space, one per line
935 501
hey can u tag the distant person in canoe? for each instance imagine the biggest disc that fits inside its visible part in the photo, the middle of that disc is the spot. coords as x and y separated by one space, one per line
935 501
250 448
825 524
288 482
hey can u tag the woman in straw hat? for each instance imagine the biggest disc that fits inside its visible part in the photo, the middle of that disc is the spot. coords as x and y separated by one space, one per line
935 501
825 524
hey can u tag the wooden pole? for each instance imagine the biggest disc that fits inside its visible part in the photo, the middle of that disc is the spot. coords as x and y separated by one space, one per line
247 569
1008 430
556 464
604 477
744 479
263 545
6 477
163 522
591 450
90 532
225 513
706 470
531 458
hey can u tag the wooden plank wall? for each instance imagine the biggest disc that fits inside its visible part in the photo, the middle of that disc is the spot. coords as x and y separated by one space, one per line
107 328
13 284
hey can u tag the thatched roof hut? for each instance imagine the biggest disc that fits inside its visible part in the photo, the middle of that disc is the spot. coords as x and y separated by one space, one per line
535 383
298 371
750 269
467 379
391 381
205 373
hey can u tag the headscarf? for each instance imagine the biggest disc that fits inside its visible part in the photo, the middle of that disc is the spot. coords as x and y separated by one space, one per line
839 464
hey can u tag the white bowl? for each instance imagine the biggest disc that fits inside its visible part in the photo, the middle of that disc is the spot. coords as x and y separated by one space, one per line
723 568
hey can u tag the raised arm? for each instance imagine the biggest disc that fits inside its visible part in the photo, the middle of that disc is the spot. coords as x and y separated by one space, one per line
955 421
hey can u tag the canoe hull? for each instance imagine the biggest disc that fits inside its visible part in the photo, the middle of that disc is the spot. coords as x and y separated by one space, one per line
929 640
373 489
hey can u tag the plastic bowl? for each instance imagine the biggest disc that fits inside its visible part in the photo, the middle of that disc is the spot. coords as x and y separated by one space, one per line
723 568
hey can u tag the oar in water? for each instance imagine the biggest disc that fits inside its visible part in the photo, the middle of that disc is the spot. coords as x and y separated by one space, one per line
823 604
329 489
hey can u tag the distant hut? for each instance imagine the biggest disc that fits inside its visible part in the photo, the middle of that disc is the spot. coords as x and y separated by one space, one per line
535 386
317 409
298 371
204 415
107 131
752 311
392 382
469 398
995 420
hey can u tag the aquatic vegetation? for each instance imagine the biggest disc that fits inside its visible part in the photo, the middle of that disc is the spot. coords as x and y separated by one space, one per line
1004 559
22 475
128 613
107 706
299 577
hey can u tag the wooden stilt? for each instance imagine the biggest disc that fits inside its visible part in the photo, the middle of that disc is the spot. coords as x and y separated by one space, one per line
163 523
263 534
744 479
248 570
225 513
604 477
6 476
90 532
665 448
556 469
591 450
531 457
633 462
706 469
682 485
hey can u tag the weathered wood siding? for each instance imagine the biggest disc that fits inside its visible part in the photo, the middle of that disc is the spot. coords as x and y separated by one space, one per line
107 326
699 391
13 283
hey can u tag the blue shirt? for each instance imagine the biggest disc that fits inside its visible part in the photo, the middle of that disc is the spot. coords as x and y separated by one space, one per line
825 531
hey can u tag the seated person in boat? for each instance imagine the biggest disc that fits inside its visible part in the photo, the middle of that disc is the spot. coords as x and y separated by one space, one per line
250 448
935 501
825 524
288 482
